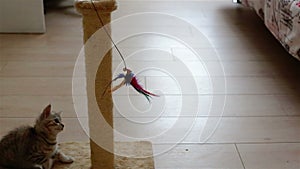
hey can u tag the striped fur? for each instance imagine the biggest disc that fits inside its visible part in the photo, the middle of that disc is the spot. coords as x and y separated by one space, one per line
33 147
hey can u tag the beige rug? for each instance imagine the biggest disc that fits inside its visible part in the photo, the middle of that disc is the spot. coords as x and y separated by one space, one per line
81 152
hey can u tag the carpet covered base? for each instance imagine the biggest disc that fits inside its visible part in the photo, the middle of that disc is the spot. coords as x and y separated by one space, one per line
81 152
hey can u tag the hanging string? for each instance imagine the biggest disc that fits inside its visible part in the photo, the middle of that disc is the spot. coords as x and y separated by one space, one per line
107 33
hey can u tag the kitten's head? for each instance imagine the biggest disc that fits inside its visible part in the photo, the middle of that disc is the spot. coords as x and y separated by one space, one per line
49 122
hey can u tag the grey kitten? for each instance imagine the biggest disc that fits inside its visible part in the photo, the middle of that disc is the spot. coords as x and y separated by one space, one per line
34 147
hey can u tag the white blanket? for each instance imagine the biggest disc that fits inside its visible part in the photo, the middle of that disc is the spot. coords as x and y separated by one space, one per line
282 18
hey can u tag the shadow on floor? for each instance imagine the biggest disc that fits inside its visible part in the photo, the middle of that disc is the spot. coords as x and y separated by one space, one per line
286 68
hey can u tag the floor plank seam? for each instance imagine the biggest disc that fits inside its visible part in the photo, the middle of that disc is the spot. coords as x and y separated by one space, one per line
240 157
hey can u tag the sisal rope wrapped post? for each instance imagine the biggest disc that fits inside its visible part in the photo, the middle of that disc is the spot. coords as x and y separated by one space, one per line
100 158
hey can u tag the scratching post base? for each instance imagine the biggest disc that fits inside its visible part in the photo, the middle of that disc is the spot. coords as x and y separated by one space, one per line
132 150
81 152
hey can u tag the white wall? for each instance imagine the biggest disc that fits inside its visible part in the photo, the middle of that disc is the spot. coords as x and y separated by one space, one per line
22 16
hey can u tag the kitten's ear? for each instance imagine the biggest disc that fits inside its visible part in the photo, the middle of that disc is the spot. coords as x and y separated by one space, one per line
46 112
60 113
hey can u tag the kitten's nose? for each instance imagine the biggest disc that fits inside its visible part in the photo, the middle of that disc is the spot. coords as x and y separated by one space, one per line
62 125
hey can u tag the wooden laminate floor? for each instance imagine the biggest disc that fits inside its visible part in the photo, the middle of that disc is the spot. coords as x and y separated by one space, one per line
230 93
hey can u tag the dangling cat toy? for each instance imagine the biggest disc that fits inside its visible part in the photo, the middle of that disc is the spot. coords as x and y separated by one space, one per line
130 79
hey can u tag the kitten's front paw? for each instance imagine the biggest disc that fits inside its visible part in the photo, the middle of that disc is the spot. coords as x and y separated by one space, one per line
35 167
67 159
71 160
48 164
64 158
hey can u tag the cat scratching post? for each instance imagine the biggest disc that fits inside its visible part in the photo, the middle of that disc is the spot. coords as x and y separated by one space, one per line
135 155
100 158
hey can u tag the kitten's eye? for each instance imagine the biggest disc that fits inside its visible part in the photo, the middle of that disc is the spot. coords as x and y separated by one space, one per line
56 120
